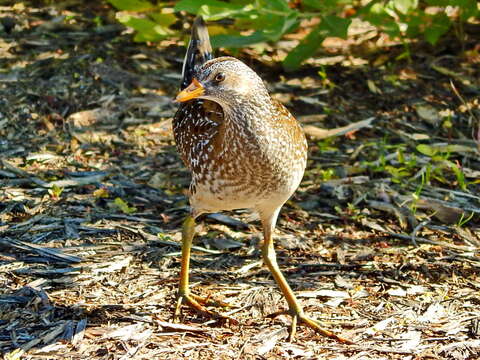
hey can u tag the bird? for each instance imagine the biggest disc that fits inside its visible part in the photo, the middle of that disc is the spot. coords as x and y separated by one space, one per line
244 150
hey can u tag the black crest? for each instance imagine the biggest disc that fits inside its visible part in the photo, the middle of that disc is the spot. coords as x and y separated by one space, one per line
198 52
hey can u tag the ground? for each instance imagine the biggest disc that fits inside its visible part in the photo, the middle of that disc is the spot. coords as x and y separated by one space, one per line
381 241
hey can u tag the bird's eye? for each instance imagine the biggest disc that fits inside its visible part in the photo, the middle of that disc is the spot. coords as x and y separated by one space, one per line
219 77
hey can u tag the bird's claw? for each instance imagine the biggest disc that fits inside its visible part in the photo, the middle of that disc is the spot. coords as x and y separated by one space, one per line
300 318
196 302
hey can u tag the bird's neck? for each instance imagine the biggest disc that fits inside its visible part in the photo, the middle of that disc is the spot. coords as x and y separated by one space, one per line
249 109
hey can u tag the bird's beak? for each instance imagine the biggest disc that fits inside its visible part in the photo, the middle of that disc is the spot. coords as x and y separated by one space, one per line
192 91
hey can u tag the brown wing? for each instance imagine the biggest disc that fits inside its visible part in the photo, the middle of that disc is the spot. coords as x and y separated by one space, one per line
292 130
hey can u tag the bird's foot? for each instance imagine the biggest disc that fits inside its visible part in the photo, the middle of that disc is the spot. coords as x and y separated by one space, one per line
197 303
298 317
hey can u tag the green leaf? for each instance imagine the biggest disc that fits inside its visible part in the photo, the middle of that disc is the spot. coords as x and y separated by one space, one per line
55 191
147 30
459 175
426 150
279 25
123 206
378 15
330 25
335 26
193 6
274 18
278 5
307 47
326 5
441 3
132 5
273 31
468 8
163 19
439 26
238 41
314 4
414 25
405 6
217 13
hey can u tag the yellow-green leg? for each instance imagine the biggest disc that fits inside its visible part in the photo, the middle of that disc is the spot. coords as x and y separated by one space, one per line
184 296
295 310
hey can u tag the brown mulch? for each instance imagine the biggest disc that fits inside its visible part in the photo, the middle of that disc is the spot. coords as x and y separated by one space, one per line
381 242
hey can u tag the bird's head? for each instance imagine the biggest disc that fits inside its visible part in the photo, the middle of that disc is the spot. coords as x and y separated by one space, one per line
226 81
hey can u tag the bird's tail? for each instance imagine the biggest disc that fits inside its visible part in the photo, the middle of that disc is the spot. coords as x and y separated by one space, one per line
198 52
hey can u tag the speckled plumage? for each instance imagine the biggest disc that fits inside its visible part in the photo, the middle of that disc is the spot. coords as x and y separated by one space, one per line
244 149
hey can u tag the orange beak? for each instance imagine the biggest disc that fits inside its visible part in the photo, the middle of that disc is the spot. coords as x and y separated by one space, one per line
192 91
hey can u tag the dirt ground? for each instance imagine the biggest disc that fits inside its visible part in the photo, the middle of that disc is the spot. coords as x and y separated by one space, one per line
381 242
